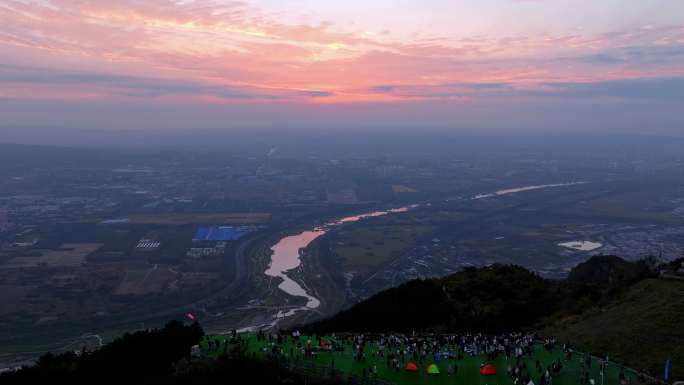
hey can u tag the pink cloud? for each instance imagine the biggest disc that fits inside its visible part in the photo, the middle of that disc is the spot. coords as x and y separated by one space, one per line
232 45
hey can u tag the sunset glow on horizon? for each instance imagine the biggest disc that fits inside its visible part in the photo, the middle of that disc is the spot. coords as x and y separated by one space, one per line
352 53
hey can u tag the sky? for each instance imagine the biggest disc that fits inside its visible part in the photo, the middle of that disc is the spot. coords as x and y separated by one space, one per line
577 65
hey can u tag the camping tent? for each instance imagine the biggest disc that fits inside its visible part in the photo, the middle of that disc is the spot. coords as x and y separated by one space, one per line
487 370
411 367
432 369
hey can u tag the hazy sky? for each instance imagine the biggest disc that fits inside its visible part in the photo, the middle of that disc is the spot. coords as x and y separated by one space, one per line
616 65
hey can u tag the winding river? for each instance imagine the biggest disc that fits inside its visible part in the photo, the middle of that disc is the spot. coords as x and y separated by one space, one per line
286 257
524 189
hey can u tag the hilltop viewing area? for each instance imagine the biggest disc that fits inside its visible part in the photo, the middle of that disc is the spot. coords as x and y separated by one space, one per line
513 359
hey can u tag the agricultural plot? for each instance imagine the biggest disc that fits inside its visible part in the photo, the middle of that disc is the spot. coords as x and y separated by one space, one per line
145 281
369 246
199 218
68 255
632 206
12 297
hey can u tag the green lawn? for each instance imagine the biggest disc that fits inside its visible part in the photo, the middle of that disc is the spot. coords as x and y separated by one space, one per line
642 329
468 368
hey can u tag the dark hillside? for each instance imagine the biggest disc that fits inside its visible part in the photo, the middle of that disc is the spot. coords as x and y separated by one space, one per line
606 306
609 270
141 357
642 328
490 299
154 357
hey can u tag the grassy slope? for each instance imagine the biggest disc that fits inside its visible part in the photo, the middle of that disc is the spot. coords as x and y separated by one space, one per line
642 329
468 369
639 325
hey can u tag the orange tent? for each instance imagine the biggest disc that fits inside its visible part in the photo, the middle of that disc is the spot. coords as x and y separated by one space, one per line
487 370
411 367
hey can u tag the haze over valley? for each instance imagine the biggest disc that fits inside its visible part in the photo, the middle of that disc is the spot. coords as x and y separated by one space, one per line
97 241
342 192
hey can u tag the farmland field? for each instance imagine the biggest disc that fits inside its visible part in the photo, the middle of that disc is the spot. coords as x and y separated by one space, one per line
199 218
375 245
69 255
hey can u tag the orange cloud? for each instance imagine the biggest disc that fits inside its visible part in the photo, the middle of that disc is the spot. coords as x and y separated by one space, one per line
210 47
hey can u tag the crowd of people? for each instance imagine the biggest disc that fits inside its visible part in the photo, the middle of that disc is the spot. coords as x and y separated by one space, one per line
396 351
